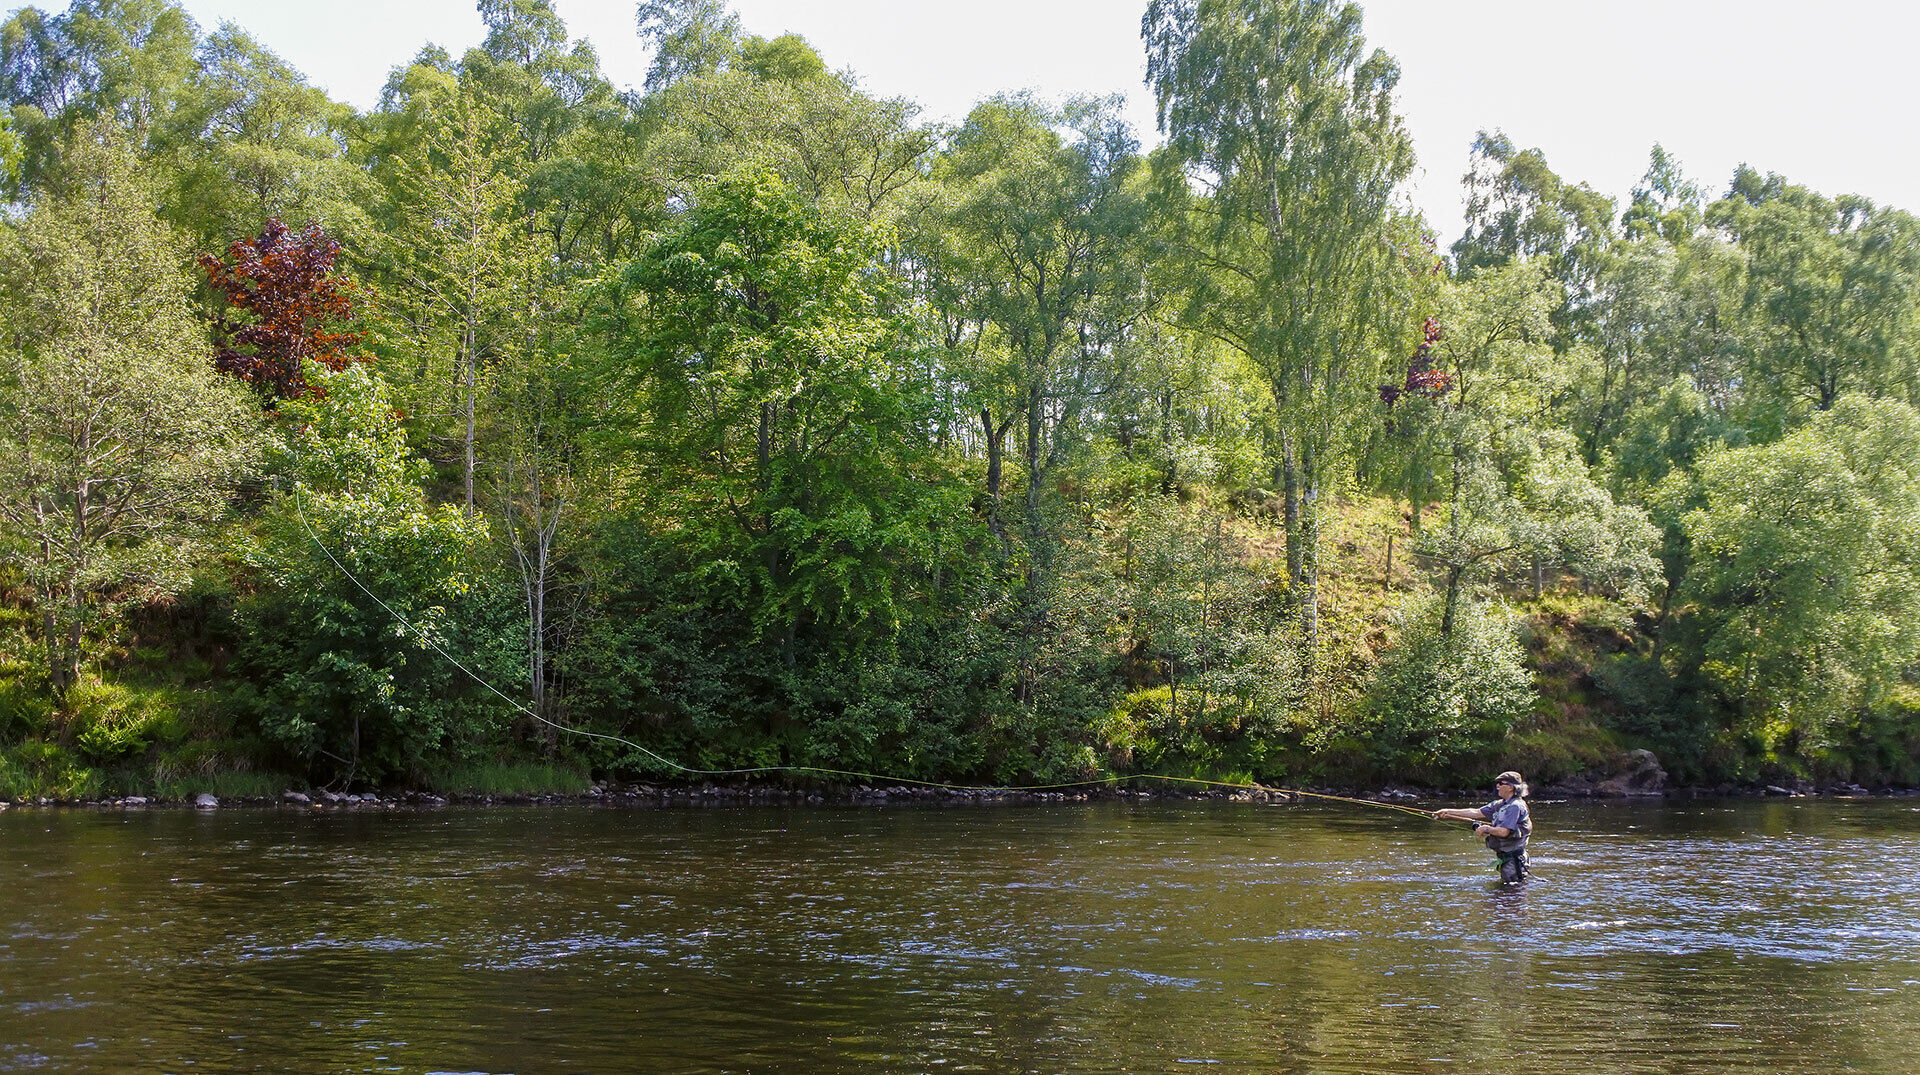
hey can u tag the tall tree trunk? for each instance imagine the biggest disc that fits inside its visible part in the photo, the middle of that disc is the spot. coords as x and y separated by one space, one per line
996 454
1453 599
1290 509
1660 619
1309 562
1034 403
467 338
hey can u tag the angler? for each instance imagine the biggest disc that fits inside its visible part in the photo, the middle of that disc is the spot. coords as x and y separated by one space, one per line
1505 822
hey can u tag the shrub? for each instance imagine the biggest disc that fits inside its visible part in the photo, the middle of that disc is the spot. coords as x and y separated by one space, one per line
1438 697
109 721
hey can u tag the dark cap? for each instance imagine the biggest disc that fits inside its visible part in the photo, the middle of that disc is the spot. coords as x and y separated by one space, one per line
1509 777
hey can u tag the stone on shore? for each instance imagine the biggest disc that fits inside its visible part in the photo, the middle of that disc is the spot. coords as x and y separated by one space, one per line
205 801
1638 774
296 797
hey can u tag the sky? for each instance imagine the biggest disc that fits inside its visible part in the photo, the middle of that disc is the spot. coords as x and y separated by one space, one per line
1820 92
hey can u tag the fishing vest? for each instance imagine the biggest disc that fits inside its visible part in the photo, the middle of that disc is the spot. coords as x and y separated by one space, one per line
1510 814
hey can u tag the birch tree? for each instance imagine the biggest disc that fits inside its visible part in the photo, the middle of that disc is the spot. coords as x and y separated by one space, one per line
1284 153
118 442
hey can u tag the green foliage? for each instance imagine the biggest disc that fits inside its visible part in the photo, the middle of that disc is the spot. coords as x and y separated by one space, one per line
1294 253
780 427
727 103
110 722
1529 497
1804 595
666 659
347 679
1199 608
251 139
122 62
1518 208
780 416
26 705
1832 283
9 153
1440 696
40 769
508 778
121 444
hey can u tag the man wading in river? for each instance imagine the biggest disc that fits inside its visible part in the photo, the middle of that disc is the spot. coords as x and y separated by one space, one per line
1505 823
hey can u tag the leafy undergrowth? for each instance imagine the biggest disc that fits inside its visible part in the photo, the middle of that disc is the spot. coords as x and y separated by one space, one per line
509 778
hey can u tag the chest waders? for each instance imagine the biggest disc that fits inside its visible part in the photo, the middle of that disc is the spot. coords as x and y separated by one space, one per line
1513 865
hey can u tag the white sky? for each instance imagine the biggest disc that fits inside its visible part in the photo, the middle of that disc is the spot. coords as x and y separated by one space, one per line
1818 91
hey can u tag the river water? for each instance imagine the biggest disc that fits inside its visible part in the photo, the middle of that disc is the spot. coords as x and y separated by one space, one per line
1779 936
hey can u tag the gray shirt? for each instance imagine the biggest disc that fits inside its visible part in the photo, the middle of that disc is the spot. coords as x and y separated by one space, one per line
1510 814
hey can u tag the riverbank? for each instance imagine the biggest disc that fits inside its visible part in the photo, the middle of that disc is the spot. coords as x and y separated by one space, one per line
711 796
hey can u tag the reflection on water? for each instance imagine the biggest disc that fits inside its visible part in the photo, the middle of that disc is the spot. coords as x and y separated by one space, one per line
1716 937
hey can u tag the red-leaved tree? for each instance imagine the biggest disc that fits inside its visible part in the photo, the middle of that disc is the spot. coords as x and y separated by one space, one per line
1422 378
284 304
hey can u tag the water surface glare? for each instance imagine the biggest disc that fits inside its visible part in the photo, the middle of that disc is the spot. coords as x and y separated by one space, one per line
1108 937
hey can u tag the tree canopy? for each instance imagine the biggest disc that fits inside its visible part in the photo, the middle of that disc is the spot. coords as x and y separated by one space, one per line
748 418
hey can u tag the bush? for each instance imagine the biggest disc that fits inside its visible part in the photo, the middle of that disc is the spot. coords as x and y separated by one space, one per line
109 721
344 686
26 705
1437 698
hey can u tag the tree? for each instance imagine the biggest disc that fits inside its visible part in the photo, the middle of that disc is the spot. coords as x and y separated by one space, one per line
123 62
461 265
541 90
284 307
120 444
1037 248
1454 681
1517 208
690 37
360 579
781 427
1271 109
1666 205
1193 604
1487 353
251 139
748 102
1802 603
1519 495
9 152
1833 286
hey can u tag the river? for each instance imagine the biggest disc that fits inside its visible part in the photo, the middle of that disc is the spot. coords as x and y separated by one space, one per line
1700 936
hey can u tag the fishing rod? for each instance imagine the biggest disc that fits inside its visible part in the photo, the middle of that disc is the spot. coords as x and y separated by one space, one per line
759 770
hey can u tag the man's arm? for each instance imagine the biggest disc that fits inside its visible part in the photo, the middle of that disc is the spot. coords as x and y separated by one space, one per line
1478 815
